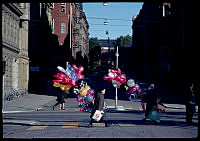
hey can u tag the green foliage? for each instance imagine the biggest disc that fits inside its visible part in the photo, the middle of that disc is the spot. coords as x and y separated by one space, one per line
122 40
93 42
95 53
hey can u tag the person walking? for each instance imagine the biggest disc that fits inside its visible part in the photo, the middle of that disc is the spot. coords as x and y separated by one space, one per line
61 96
189 103
152 100
99 104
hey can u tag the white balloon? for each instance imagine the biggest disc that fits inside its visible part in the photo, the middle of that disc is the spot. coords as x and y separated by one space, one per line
62 70
131 83
114 82
110 74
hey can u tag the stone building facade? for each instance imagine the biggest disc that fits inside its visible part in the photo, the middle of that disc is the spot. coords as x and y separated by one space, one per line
15 59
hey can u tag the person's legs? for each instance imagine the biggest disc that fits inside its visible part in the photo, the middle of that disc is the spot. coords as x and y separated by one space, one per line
188 113
91 121
60 106
190 110
147 111
55 105
63 106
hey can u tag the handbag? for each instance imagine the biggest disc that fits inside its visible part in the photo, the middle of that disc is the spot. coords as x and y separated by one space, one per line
155 114
97 115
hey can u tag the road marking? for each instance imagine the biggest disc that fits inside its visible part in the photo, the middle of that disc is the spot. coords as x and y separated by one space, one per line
37 128
98 124
19 121
70 125
7 112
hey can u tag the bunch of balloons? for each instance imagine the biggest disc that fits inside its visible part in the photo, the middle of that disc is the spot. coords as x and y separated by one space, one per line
68 78
115 77
85 96
133 90
72 81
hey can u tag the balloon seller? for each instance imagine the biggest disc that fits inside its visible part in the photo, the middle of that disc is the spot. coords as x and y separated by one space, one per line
99 103
152 101
71 81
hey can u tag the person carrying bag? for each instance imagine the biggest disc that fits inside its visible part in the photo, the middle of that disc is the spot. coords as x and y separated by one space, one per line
98 112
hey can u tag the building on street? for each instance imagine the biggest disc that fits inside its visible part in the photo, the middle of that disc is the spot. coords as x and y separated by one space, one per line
15 23
163 44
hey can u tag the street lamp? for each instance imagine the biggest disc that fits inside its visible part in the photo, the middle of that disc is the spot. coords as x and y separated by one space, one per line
116 97
105 4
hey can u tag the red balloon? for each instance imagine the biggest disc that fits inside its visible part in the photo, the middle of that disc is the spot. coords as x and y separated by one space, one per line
118 71
111 70
108 77
80 69
57 81
72 82
122 75
122 81
117 78
74 66
80 76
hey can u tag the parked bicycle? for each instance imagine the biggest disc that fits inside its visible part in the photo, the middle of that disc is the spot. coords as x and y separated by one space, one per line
14 93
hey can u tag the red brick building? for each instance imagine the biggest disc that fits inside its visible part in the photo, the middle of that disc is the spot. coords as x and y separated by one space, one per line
61 20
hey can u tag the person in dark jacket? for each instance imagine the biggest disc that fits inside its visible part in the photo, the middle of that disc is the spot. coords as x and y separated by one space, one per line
189 103
61 96
99 103
152 100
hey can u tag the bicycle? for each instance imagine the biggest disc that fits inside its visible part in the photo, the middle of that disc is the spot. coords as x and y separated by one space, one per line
14 93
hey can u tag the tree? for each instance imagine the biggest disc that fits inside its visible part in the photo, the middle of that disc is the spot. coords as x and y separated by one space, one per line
93 42
95 53
122 40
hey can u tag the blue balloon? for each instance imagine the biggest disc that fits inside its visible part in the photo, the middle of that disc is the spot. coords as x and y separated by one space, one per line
87 110
80 105
74 76
89 98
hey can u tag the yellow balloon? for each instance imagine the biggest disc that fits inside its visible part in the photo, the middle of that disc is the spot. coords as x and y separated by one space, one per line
87 87
56 84
62 88
83 91
67 87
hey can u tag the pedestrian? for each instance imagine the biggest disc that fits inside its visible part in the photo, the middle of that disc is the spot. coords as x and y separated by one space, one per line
152 100
99 104
189 103
61 96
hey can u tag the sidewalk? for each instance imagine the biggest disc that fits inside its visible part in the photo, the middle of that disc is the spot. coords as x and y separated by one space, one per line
29 102
33 102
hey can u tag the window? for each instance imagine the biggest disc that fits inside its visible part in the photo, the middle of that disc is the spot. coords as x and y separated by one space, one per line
166 9
53 25
63 28
63 7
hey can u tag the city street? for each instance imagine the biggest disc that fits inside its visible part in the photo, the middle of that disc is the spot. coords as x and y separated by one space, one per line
80 55
72 123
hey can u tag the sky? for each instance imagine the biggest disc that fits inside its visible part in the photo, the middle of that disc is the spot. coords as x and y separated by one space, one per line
118 15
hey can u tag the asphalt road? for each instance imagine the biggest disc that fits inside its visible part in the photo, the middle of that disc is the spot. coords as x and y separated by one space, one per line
73 124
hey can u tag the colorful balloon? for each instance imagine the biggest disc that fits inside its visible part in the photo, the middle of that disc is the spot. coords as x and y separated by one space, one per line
131 83
89 98
90 91
80 98
83 91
